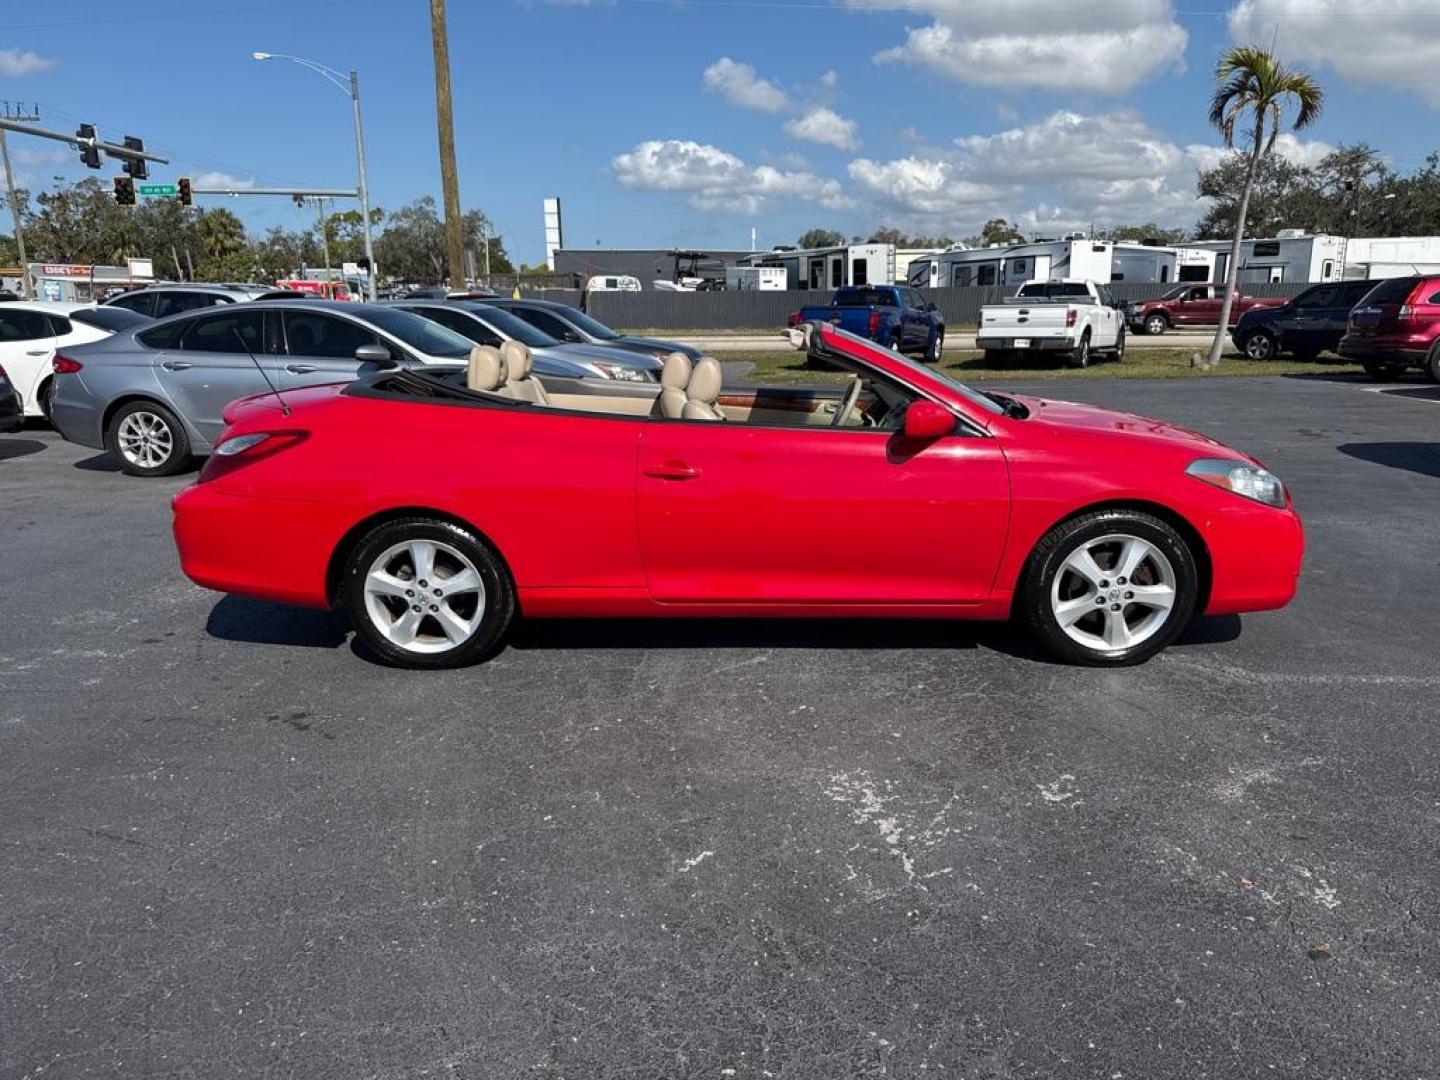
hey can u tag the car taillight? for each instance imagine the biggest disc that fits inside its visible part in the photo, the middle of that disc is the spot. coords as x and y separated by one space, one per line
63 365
1405 314
239 450
874 321
1070 317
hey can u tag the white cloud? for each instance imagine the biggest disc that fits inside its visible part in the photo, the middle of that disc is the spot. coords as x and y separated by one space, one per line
824 126
1383 42
922 186
743 86
15 63
222 180
25 155
1107 48
714 179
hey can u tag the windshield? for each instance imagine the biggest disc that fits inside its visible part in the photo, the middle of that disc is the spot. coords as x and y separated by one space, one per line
110 318
512 327
593 327
976 398
1175 294
422 335
864 297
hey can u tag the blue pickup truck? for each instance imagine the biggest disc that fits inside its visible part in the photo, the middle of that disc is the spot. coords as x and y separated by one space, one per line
893 315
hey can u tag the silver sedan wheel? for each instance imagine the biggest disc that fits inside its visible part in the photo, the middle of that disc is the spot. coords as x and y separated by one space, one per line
145 440
1113 592
424 596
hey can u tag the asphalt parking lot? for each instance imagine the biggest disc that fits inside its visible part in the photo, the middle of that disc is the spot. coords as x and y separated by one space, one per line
232 846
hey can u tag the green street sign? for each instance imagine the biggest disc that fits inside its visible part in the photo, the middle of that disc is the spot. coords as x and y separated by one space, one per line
155 189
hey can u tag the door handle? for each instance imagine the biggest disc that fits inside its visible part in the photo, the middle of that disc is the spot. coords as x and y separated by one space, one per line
37 352
300 369
176 365
673 470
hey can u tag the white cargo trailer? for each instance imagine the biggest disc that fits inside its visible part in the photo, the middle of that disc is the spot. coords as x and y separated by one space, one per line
755 278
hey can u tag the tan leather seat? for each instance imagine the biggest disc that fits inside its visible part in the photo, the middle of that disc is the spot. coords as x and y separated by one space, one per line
486 370
701 391
673 380
520 383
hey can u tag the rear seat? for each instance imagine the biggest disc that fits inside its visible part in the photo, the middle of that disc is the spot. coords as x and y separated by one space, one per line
519 382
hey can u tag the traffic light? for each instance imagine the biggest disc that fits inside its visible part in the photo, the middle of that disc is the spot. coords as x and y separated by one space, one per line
136 167
182 188
89 152
125 191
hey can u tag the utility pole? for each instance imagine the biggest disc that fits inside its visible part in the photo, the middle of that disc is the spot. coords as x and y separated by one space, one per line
16 111
445 122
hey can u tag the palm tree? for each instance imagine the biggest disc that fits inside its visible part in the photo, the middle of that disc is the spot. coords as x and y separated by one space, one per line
1253 89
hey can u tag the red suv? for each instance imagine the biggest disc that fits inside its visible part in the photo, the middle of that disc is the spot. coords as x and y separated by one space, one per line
1396 326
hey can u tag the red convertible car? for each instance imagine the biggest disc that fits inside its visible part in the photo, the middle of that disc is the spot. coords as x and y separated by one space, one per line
434 507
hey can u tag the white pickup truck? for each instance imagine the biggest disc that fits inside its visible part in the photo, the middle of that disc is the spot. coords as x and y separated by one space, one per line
1068 315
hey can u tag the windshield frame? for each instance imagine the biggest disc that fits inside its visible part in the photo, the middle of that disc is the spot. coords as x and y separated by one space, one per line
912 367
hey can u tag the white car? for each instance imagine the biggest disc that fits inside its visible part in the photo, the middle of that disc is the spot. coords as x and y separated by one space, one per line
1072 316
31 331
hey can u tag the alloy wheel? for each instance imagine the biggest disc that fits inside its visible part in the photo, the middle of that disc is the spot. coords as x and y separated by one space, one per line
1155 325
424 596
1113 592
145 440
1259 346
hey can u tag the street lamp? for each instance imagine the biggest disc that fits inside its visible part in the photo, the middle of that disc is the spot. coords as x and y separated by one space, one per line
351 87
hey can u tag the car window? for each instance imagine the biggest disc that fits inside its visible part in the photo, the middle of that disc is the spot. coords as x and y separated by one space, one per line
313 333
173 303
164 336
23 326
110 318
461 324
138 301
546 323
1394 291
420 334
60 325
218 333
1323 297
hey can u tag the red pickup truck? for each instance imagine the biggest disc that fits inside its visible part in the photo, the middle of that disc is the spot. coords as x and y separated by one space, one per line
1191 305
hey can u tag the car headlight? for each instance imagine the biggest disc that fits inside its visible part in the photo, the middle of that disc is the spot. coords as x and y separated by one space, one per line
1242 478
624 372
240 443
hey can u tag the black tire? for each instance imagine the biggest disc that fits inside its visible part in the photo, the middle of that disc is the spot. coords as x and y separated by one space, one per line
498 598
1381 372
1432 363
896 342
1156 324
1260 346
1034 598
935 348
1080 356
168 431
45 398
1119 350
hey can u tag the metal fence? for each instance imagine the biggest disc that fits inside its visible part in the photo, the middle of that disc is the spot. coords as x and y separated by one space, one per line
770 310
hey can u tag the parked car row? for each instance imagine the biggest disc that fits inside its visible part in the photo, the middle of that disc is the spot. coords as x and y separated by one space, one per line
152 392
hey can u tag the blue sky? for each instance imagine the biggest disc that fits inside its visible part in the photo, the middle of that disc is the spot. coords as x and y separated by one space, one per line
687 122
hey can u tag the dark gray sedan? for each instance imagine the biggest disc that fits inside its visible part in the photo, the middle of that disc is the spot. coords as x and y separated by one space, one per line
154 396
572 326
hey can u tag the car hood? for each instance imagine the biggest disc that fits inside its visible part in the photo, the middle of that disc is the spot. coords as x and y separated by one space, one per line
1074 417
654 346
600 354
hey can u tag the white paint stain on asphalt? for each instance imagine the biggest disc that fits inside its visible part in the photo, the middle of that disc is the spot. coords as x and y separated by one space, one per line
690 864
1061 791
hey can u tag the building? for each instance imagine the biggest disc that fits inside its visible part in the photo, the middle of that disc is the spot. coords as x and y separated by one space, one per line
74 282
832 267
1073 257
647 264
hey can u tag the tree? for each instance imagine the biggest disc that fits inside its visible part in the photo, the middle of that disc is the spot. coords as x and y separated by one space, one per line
886 235
820 238
1141 233
412 247
1254 88
997 231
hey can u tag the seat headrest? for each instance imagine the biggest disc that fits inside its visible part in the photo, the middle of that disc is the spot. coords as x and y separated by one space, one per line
518 360
487 368
705 380
676 372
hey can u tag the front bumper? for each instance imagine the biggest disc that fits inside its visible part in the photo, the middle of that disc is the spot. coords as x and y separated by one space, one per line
1256 553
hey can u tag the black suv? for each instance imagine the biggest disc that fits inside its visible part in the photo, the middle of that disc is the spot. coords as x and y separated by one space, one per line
1305 327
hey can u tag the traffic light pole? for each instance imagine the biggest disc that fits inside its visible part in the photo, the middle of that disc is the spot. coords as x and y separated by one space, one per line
26 290
115 150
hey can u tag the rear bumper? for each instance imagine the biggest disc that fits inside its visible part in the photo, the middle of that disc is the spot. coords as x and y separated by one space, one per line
1382 351
216 537
76 414
1036 344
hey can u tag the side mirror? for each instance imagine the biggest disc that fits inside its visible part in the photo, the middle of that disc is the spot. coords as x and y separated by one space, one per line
374 354
926 420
